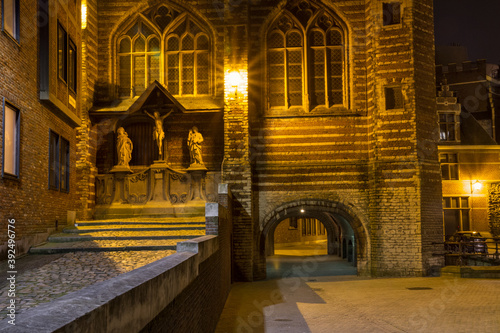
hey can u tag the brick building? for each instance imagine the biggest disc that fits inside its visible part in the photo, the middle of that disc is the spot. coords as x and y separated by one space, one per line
40 93
468 107
317 109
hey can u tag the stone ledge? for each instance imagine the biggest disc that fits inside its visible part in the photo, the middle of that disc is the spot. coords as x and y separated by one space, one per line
127 302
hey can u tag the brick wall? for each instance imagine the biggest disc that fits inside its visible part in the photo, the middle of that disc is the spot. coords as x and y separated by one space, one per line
28 199
198 307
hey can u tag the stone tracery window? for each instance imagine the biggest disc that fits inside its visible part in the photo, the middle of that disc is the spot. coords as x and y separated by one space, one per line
184 46
138 59
305 35
187 60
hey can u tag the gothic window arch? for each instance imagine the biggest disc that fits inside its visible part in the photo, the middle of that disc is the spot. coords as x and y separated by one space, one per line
306 60
164 44
138 53
187 59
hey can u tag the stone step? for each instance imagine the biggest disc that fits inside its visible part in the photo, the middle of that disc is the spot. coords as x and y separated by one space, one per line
150 210
144 221
124 235
133 227
106 245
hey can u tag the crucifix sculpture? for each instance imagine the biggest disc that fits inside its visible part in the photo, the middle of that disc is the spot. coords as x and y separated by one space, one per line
158 133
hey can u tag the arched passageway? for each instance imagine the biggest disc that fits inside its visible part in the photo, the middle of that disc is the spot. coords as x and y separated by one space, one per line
313 238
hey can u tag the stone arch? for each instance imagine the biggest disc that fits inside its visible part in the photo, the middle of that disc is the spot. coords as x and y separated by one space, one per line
329 213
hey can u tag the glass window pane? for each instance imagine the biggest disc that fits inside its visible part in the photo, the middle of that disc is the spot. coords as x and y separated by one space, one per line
72 63
465 220
334 37
11 157
317 38
445 172
64 165
125 45
54 161
139 75
294 39
154 68
454 171
455 202
188 43
465 202
173 44
154 45
125 76
451 222
62 52
140 45
202 43
276 40
10 17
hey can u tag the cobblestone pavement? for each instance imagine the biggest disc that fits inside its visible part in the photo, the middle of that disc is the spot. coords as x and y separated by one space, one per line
70 272
353 304
302 298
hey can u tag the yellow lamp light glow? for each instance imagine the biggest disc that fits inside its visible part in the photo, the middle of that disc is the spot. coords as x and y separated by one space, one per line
234 78
477 186
84 14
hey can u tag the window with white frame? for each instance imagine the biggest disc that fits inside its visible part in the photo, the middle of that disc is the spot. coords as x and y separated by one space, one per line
290 43
185 49
11 126
449 166
10 18
456 215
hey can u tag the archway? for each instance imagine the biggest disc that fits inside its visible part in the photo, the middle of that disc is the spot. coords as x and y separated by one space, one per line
342 226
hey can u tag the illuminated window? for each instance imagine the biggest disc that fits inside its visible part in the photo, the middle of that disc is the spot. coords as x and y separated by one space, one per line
10 18
187 59
449 126
449 166
391 13
138 60
186 54
58 163
288 80
10 141
456 215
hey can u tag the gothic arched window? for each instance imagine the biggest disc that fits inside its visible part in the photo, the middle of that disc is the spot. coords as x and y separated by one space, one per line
180 58
187 59
138 59
305 36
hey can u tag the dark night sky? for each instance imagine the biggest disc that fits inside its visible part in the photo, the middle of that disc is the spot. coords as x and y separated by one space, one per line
474 24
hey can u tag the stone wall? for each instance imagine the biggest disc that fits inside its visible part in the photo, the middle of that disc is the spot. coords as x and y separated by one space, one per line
37 210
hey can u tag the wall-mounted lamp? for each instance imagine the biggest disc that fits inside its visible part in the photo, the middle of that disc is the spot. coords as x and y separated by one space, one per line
477 186
302 211
233 81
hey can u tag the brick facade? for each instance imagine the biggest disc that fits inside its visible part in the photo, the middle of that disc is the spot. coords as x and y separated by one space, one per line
367 162
38 210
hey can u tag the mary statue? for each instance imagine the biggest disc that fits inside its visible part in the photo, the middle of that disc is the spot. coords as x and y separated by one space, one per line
124 147
194 143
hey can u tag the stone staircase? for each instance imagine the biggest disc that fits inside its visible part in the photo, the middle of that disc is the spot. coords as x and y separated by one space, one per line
132 234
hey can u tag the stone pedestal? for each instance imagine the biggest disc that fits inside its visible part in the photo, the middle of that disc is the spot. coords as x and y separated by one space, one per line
119 172
198 173
158 182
